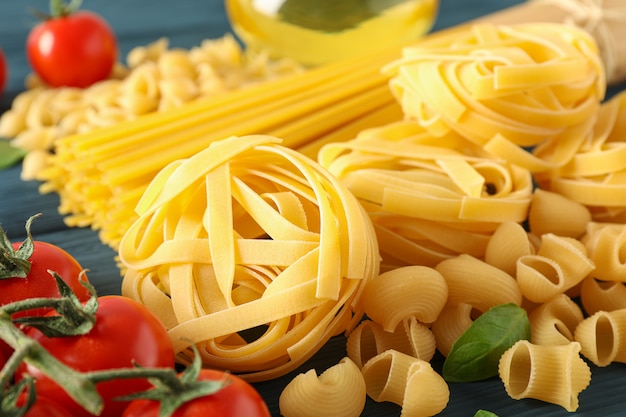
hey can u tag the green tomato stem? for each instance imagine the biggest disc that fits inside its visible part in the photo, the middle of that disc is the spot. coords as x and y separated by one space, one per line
77 385
58 8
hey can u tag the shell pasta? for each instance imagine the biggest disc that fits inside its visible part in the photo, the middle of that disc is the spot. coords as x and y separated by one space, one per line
414 291
407 381
602 337
552 373
560 264
597 295
338 392
488 286
410 337
554 322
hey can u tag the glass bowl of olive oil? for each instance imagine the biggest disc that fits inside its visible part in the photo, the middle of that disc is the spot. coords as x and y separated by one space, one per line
315 32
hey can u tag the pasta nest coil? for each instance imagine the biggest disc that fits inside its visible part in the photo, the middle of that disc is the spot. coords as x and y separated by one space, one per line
251 252
507 88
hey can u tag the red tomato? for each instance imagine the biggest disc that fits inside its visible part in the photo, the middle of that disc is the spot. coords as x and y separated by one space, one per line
3 72
76 50
39 282
237 399
44 407
125 333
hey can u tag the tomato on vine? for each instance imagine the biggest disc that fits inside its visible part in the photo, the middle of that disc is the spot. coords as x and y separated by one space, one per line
125 334
71 47
45 407
232 397
24 273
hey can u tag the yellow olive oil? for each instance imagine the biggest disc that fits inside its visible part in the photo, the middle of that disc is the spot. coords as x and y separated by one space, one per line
315 32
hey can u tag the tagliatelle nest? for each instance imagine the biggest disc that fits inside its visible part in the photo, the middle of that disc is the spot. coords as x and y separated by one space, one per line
252 252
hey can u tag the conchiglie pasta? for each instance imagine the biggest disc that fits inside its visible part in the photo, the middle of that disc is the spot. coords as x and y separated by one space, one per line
410 337
407 381
603 337
606 245
554 322
507 244
452 322
338 392
553 213
475 282
597 295
552 373
413 291
559 265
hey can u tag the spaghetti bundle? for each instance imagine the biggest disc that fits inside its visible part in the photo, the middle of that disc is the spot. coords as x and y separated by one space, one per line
252 252
101 175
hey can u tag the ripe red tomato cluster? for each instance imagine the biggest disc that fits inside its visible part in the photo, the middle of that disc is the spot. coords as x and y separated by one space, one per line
125 334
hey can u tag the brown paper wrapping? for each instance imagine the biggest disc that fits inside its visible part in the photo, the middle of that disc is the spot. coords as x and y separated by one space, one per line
606 22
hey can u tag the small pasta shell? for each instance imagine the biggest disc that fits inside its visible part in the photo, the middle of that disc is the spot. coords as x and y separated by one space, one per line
34 162
605 244
12 122
602 337
149 53
42 138
554 322
370 339
507 244
475 282
413 291
421 338
338 392
406 381
596 295
176 63
555 374
450 325
554 213
559 265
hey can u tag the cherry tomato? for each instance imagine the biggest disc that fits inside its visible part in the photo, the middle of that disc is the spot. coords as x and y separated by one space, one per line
75 50
39 282
236 399
44 407
125 333
3 72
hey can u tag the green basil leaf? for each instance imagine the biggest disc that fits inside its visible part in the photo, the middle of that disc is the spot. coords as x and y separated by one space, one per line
485 413
475 355
9 155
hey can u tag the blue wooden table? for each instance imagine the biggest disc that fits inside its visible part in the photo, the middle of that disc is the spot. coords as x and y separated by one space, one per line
186 23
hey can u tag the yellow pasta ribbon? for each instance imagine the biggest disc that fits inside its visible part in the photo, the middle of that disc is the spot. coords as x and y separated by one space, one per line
506 88
430 198
249 236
